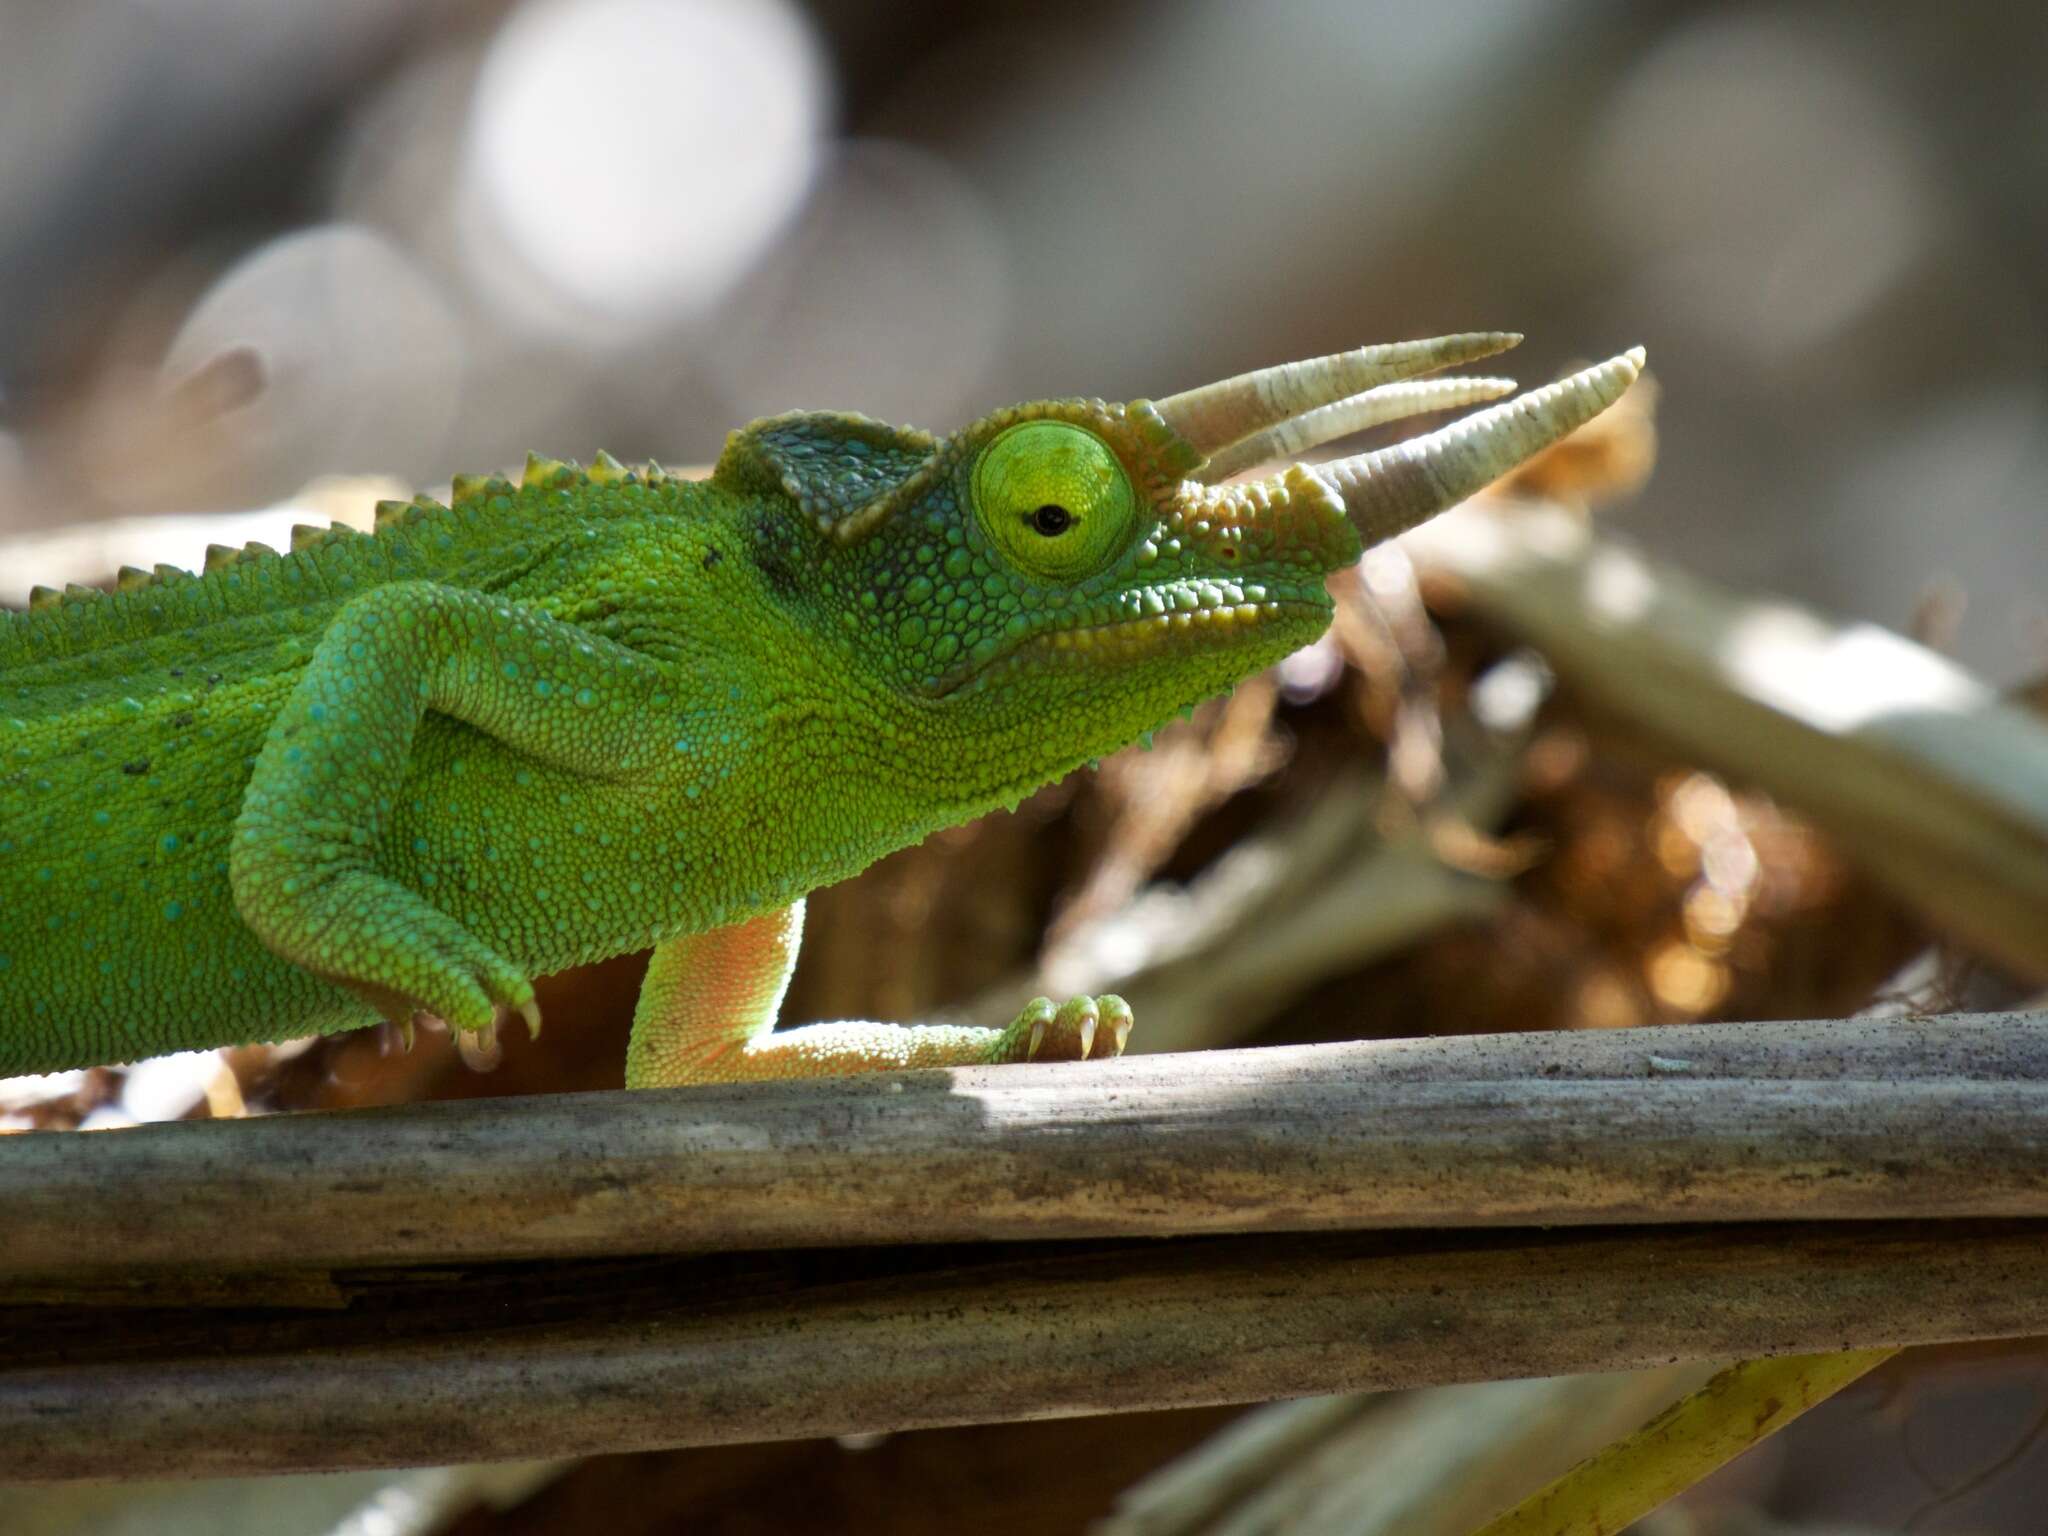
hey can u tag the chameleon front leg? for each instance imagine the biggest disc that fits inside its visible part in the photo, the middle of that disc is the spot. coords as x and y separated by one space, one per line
303 861
707 1015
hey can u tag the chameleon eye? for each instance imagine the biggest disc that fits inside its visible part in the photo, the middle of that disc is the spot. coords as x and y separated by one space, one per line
1053 499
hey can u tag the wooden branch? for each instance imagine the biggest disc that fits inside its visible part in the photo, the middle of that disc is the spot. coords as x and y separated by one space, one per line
1941 1117
575 1359
163 1310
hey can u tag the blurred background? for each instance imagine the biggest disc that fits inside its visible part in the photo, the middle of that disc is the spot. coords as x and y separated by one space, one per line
453 231
294 254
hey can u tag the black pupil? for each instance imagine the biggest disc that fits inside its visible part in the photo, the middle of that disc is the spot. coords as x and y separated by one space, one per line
1052 520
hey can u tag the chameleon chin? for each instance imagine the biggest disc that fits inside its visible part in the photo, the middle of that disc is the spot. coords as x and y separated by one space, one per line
605 708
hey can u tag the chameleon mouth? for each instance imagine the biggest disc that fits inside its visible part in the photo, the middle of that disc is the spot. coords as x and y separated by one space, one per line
1112 642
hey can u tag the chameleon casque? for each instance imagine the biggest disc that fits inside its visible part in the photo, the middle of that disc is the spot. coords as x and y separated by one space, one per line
609 708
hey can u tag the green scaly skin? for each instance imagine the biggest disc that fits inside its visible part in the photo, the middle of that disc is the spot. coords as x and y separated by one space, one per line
601 710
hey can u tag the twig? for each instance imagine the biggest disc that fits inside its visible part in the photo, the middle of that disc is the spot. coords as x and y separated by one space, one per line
1696 1435
1428 1463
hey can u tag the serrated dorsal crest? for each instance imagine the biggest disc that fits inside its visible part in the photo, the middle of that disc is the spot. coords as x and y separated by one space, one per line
131 578
606 470
43 597
220 556
541 472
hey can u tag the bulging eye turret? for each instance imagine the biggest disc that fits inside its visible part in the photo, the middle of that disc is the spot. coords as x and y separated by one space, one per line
1054 500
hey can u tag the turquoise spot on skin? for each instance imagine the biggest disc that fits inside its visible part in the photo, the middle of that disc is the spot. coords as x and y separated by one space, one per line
586 697
169 842
101 818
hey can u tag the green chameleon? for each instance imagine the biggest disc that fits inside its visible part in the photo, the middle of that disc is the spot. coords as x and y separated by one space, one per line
610 708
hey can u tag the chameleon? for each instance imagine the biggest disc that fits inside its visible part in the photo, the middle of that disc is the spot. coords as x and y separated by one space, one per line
612 708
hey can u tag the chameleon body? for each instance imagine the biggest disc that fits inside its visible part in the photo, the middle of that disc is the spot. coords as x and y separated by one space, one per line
609 708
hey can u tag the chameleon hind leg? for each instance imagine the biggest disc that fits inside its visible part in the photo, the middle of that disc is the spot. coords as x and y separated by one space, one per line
707 1015
305 862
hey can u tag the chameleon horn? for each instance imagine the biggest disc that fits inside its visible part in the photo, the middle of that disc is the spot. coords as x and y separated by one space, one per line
1213 417
1376 407
1389 492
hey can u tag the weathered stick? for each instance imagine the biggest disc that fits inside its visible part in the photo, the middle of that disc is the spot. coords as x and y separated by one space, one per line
1941 1117
573 1359
1916 769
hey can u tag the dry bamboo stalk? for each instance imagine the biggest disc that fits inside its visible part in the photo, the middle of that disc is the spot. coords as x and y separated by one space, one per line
1918 770
549 1361
1842 1119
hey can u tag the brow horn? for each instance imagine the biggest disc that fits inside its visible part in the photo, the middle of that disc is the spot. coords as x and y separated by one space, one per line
1216 416
1390 491
1376 407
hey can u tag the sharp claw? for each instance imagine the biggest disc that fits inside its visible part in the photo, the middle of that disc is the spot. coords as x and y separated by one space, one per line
406 1034
1122 1034
530 1011
487 1037
1088 1034
1037 1039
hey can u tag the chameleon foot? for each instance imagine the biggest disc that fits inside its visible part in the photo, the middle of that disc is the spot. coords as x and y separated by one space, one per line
486 1038
388 947
1081 1029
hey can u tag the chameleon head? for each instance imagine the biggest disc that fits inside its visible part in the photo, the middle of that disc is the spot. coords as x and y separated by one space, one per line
1063 576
